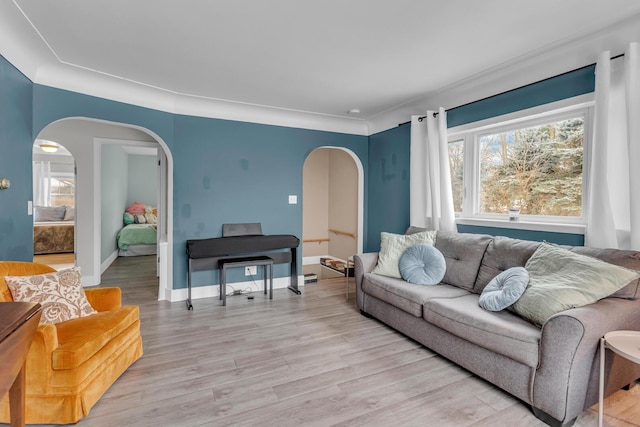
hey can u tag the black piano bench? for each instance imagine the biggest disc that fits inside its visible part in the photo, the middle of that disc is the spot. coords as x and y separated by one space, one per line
248 261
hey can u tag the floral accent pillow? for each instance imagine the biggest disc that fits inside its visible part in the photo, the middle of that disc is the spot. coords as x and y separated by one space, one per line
60 293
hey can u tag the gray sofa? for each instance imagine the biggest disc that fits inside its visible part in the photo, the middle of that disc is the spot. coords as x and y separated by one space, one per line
554 368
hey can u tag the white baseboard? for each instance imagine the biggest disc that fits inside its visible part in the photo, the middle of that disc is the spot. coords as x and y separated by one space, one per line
211 291
107 262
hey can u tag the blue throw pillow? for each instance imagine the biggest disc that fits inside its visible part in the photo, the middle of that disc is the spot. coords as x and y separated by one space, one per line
422 264
504 289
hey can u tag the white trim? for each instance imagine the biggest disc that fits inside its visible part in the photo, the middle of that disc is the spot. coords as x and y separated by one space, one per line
524 225
89 281
210 291
165 270
107 262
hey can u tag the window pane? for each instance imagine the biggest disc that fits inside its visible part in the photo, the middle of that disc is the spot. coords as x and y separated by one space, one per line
62 191
456 167
537 169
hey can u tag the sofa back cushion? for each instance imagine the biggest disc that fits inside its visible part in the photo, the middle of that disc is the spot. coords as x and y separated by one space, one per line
463 253
502 254
623 258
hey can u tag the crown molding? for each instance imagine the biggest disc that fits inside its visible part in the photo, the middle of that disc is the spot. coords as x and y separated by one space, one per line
549 61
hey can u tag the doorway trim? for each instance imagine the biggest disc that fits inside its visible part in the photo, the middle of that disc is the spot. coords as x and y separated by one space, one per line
165 240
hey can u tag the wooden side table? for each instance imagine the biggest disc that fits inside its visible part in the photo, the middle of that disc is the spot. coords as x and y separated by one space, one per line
623 343
19 323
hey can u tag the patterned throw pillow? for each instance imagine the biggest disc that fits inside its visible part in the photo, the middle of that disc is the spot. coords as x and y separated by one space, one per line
60 294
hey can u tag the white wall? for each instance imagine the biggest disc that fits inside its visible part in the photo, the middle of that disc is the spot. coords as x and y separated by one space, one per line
114 185
142 183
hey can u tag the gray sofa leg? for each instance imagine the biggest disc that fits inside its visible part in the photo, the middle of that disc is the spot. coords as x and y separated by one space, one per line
548 419
365 314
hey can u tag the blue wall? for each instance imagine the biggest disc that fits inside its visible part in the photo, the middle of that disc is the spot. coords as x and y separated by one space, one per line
389 154
229 172
224 171
389 164
16 146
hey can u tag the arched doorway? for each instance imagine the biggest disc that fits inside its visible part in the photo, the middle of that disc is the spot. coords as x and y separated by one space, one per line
53 204
333 199
84 138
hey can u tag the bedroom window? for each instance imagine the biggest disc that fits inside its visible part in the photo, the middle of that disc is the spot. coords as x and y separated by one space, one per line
53 186
63 189
534 163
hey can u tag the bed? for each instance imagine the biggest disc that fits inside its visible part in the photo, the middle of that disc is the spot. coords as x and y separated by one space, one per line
137 240
53 237
53 229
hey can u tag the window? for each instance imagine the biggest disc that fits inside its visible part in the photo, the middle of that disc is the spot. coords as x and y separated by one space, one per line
62 190
533 163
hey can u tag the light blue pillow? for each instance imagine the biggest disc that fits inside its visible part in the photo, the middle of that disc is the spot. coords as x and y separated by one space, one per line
504 289
422 264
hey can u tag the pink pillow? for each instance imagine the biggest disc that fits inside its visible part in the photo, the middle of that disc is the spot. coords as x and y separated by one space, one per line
135 208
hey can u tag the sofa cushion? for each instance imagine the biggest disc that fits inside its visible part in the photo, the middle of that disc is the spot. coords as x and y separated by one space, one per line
628 259
422 264
80 339
463 253
502 254
560 279
60 293
403 295
501 332
504 289
392 246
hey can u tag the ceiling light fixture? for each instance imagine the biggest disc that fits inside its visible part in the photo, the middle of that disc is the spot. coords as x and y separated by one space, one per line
49 147
354 111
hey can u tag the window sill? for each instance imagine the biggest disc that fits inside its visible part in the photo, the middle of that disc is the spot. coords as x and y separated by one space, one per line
524 225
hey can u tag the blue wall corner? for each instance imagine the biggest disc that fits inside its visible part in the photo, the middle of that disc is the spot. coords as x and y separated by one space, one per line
389 163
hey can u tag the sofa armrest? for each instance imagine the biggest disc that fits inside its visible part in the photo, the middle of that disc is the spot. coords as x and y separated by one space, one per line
104 299
569 359
45 340
363 263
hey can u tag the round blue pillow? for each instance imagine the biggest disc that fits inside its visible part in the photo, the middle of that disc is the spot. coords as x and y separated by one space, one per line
422 264
504 289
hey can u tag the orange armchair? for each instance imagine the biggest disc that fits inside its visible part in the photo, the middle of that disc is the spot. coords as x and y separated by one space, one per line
71 364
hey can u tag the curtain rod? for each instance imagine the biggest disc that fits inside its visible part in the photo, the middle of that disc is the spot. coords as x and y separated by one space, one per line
421 118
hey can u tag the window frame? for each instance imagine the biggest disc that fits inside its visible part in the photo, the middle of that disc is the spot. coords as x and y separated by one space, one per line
470 133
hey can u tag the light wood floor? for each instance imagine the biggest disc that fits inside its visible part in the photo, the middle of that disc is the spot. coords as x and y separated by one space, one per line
308 360
57 261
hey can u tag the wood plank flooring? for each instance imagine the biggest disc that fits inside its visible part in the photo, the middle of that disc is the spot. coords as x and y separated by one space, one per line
308 360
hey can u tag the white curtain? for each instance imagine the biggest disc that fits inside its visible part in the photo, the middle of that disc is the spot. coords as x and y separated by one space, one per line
430 182
613 219
41 183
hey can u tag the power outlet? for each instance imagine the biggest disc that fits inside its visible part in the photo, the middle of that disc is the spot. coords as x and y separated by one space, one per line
252 270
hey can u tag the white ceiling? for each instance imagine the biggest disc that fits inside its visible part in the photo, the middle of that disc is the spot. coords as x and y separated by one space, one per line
309 59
